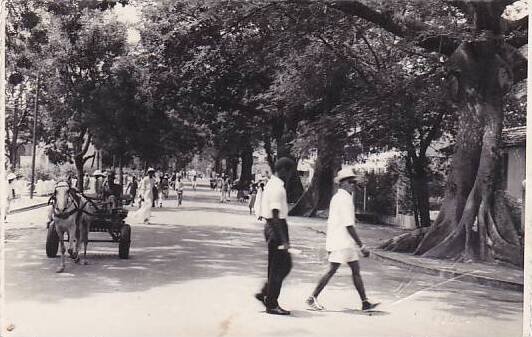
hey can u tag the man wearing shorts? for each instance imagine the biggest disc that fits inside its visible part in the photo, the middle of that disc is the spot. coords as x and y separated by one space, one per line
341 239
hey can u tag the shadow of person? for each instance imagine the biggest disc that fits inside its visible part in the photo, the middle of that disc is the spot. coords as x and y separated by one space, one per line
367 312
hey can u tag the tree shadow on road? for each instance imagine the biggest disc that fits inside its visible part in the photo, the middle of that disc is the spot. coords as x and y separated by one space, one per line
174 254
169 254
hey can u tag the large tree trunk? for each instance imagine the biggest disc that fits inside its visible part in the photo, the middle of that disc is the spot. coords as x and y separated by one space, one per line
319 194
270 156
417 167
247 164
284 134
475 221
78 161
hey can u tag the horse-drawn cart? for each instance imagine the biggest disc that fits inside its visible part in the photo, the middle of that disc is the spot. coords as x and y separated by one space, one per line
110 220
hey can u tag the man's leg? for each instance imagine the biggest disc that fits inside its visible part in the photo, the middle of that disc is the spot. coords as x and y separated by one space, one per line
333 267
281 264
357 279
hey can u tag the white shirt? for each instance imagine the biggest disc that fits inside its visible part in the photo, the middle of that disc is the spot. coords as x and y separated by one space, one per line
341 215
146 187
274 197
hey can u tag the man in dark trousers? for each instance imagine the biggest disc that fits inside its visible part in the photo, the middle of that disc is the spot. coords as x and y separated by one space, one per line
275 210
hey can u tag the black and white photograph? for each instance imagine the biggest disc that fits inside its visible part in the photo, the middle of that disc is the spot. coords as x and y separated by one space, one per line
264 168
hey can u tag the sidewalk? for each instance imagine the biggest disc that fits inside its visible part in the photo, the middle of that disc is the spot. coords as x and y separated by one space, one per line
24 203
491 274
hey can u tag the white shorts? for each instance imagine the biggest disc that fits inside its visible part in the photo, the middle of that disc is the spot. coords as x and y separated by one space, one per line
343 255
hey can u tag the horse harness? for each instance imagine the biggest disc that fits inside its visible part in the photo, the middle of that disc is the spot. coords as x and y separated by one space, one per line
72 195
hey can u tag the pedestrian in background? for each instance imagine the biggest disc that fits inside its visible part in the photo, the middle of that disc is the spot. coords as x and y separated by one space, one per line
131 189
223 190
220 182
341 239
275 211
180 188
228 185
258 201
145 191
10 193
86 182
252 198
194 182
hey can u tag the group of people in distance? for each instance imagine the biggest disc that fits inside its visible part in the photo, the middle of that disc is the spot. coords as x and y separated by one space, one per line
341 243
150 190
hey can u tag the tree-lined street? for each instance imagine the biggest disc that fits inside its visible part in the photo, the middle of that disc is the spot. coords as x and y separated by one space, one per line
412 112
193 272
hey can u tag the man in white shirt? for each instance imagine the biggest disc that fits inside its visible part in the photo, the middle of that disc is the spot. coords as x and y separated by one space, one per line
274 208
341 239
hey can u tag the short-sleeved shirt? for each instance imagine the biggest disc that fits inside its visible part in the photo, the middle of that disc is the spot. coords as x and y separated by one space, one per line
341 216
274 197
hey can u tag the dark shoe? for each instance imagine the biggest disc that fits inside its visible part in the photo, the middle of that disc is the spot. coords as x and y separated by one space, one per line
368 306
260 298
277 311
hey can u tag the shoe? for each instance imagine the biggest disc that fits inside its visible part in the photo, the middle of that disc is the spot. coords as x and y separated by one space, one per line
313 303
260 298
277 311
368 306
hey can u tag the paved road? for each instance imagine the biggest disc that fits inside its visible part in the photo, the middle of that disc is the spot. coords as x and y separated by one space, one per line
193 271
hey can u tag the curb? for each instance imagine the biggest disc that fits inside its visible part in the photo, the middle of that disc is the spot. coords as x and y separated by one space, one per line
28 208
488 281
472 278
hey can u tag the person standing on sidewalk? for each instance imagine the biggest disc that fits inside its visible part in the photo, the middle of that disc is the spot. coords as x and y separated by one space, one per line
10 191
341 239
275 210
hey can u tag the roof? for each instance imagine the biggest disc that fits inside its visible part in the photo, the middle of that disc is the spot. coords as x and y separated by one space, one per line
514 136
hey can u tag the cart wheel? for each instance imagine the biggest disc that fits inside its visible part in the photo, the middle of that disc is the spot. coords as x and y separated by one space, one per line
52 241
125 241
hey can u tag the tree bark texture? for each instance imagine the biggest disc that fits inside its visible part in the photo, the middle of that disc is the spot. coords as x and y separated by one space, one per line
475 222
319 193
247 165
417 170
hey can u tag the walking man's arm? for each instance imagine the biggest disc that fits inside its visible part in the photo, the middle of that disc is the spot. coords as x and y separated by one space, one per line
354 235
279 232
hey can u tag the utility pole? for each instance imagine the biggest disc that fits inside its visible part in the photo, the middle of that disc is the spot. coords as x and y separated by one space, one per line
397 200
364 207
35 114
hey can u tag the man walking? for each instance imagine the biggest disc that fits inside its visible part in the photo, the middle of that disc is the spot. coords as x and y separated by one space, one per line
341 239
275 210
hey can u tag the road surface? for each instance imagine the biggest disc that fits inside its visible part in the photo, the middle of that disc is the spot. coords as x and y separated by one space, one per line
194 270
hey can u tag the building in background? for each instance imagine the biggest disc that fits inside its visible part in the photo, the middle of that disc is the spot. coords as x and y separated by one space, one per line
514 160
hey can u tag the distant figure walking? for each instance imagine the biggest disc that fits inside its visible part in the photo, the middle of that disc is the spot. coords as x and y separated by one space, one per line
180 187
252 198
341 239
10 191
194 182
258 201
132 189
146 188
223 190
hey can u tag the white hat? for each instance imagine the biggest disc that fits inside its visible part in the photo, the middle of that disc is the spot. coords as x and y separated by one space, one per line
344 174
11 176
97 173
151 169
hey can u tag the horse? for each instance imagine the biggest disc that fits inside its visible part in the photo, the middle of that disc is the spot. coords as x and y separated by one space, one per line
72 213
65 215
